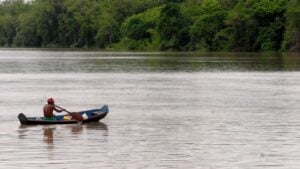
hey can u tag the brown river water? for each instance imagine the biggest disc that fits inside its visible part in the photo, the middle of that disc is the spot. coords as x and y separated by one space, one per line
167 110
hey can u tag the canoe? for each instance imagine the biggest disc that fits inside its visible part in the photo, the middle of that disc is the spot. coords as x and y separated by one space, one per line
92 115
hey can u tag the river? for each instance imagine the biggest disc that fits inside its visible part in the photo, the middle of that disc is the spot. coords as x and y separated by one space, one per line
167 110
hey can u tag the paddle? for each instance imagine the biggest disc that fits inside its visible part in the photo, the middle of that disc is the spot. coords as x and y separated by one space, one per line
76 116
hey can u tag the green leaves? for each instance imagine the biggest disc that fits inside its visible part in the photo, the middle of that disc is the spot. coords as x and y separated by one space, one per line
209 25
138 31
270 38
292 34
256 25
172 28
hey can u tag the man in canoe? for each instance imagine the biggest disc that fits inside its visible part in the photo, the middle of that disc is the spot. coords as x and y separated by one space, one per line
49 108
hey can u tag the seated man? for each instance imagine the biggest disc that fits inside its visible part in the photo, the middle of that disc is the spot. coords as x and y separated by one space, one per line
48 110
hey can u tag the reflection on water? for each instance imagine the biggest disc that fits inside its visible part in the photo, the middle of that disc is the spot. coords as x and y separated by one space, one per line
17 61
49 130
64 144
167 110
96 126
48 133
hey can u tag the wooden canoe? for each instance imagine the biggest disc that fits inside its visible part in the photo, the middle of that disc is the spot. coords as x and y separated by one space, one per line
92 115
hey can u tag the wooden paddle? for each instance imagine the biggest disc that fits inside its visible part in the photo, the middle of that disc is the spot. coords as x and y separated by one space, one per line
76 116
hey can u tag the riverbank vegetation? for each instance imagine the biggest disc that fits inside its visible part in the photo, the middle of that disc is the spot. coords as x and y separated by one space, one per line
181 25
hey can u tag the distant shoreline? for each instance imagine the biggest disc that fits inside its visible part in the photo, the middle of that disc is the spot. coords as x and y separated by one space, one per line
147 25
140 51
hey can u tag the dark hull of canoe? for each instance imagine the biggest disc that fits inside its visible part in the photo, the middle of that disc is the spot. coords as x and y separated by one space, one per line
94 115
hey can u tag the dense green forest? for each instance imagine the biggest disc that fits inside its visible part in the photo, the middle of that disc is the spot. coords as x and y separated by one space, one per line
181 25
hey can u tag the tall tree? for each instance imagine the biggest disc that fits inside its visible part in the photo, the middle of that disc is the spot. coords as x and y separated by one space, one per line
173 28
207 25
292 33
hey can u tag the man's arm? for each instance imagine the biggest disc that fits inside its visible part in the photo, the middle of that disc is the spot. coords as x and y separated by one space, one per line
58 110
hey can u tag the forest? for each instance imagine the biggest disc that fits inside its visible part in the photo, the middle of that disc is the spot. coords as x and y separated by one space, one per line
152 25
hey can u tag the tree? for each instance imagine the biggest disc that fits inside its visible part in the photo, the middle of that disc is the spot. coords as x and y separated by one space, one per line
207 25
270 38
9 12
136 29
172 28
292 32
27 31
213 25
270 17
107 31
241 28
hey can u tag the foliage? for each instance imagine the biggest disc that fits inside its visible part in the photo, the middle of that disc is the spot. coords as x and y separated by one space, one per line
172 28
210 25
292 33
256 25
137 31
207 25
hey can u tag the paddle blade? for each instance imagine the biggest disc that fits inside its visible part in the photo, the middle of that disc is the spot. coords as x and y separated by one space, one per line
76 116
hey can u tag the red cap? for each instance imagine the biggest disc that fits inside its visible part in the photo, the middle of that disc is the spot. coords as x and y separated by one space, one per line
50 101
